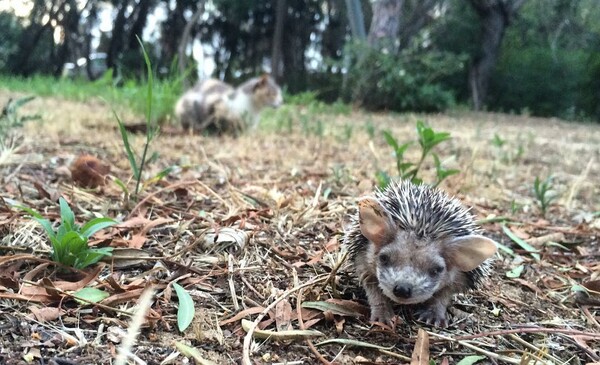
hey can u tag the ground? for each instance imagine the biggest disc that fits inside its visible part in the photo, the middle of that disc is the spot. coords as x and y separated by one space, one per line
285 192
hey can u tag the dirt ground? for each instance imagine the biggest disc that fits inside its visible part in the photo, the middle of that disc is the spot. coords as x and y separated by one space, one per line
285 196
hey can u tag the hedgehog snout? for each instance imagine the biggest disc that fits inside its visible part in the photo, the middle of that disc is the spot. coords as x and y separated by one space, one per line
403 291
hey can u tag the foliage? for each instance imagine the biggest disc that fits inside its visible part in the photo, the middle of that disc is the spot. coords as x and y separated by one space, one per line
10 118
11 33
538 80
70 240
543 193
407 81
427 139
151 130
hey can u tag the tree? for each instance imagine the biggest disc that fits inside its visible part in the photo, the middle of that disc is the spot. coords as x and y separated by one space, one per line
356 19
385 23
185 39
280 13
495 16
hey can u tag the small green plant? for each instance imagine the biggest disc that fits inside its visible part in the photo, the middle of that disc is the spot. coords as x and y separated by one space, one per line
498 141
370 128
504 152
152 130
347 132
515 207
10 118
543 193
428 139
70 240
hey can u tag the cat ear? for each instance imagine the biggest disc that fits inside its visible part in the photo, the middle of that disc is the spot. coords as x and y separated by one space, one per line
262 81
375 224
468 252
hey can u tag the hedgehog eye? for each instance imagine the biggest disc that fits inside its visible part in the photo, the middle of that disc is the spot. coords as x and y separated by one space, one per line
436 270
384 259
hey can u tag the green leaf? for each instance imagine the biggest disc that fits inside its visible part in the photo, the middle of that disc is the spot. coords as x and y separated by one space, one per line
47 226
66 214
515 272
524 245
161 175
192 352
391 141
470 360
45 223
579 288
125 138
186 310
92 295
122 185
91 256
383 179
95 225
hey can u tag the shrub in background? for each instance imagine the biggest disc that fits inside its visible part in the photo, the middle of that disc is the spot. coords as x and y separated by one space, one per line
400 82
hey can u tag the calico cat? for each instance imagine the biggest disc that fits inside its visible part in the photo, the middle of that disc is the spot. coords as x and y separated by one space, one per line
216 107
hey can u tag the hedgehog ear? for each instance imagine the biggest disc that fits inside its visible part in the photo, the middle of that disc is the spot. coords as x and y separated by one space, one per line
375 224
468 252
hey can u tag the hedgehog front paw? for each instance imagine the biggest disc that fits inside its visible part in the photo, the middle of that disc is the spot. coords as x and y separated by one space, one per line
434 316
382 313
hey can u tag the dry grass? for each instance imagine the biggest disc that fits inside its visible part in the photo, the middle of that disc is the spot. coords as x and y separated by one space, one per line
291 194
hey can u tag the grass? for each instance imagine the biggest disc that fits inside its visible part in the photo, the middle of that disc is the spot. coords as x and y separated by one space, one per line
131 94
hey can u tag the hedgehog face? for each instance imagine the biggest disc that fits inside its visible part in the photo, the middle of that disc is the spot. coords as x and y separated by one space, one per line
410 271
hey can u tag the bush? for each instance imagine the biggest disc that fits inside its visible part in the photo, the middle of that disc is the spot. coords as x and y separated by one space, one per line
409 80
535 79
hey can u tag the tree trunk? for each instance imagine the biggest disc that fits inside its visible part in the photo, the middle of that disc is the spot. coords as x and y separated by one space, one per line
142 9
385 24
171 32
416 20
276 65
30 39
356 19
185 40
116 42
495 16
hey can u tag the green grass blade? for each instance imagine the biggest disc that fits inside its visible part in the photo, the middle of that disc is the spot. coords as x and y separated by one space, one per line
130 155
524 245
150 129
161 175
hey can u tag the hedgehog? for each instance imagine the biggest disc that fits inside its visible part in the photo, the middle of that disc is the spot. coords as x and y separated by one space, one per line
415 245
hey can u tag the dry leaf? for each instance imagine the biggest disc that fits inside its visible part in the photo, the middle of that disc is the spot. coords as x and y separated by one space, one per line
219 240
420 355
283 314
46 314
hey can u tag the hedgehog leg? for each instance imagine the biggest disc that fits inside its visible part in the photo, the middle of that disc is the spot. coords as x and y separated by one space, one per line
435 311
381 306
